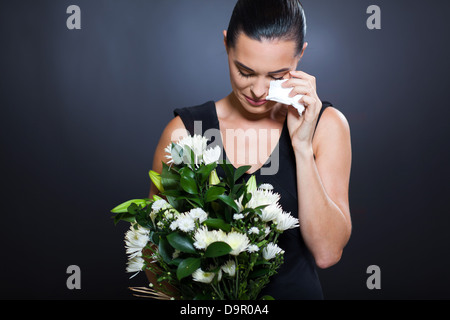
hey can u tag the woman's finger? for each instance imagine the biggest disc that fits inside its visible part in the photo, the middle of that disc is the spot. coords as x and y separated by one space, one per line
303 75
304 90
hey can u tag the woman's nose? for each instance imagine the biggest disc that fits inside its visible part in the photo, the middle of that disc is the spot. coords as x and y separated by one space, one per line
260 88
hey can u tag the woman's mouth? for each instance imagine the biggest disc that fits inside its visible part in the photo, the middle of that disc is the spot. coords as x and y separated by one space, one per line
254 102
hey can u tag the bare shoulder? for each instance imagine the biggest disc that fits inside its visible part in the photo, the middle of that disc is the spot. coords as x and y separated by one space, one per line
333 128
173 131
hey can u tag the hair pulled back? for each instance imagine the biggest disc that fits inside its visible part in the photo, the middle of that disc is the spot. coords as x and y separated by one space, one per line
268 20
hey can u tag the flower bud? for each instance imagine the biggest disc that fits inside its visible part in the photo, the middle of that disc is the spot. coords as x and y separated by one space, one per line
213 178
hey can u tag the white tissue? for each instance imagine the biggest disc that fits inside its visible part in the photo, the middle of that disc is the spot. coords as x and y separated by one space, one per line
279 94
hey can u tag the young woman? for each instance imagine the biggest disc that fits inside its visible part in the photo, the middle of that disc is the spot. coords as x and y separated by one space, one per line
265 41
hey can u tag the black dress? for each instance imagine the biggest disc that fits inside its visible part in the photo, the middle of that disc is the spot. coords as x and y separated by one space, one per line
297 278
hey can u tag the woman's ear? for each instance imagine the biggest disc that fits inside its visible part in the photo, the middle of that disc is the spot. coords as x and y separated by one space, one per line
225 39
303 50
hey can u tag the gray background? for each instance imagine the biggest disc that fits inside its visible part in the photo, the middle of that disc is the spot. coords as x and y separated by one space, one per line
82 111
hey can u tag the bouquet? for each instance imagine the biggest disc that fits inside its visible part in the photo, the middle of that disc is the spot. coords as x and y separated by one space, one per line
204 237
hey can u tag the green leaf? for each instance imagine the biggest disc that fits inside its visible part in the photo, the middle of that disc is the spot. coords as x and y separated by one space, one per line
165 250
229 201
124 216
124 206
188 155
187 181
217 224
169 178
259 273
181 242
213 193
267 297
187 267
156 179
217 249
177 153
204 172
229 173
240 172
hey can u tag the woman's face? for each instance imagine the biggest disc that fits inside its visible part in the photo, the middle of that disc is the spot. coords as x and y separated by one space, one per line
253 64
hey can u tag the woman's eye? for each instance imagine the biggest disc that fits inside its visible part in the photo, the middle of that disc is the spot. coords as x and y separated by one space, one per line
280 78
244 74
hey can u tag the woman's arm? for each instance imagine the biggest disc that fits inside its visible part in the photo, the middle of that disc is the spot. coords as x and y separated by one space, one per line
174 130
323 183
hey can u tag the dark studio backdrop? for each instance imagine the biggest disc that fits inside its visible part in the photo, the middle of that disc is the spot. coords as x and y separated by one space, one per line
82 111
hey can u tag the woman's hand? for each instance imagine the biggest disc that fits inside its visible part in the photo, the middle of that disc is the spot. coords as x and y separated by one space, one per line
301 128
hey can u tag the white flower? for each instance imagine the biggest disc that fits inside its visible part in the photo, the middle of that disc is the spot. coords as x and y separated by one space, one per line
229 267
198 214
196 143
271 251
285 221
185 223
253 230
160 204
237 241
135 264
174 225
262 197
203 238
135 240
252 248
266 186
271 212
211 155
238 216
201 276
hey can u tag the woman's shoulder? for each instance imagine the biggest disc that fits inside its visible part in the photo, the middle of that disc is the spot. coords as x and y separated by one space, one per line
198 118
332 127
196 111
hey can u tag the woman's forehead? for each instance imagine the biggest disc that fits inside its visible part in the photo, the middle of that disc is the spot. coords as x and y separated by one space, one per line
265 55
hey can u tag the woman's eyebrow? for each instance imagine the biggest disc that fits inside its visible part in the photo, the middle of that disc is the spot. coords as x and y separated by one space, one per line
251 70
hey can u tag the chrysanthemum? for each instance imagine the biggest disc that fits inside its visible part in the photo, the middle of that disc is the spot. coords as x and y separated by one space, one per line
201 276
253 230
135 240
160 204
203 237
266 186
238 216
211 155
262 197
185 223
271 251
237 241
229 268
285 221
271 212
135 264
198 214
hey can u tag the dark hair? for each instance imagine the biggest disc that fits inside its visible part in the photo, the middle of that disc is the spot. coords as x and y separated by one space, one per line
268 19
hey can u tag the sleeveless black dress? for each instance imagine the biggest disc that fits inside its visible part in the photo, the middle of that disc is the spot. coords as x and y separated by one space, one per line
297 278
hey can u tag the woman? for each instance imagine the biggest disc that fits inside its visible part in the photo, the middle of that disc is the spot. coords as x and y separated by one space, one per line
265 41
